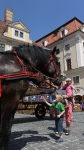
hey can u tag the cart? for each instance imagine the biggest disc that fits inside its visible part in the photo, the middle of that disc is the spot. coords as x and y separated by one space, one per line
32 103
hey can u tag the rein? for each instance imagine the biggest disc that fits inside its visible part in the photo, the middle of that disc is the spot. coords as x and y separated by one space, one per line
21 62
52 58
26 73
34 74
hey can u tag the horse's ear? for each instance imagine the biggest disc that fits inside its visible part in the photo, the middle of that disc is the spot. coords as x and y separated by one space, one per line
54 50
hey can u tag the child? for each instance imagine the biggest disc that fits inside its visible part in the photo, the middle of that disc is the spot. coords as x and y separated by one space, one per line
69 92
60 110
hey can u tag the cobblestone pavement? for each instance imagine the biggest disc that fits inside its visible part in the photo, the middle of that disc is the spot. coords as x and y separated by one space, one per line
29 133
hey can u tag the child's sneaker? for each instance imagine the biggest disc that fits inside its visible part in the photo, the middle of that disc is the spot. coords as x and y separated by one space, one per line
67 132
60 140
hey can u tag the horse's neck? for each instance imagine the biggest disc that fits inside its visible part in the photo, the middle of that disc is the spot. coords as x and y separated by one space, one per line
9 64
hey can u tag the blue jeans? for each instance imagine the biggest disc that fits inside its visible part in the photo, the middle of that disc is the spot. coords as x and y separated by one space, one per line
59 124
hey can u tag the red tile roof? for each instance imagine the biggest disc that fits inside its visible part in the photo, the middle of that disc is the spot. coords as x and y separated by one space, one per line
72 26
3 26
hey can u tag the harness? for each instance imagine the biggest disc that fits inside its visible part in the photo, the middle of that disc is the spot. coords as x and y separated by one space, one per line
52 58
26 73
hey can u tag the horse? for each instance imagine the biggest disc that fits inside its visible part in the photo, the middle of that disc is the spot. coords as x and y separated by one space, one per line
17 67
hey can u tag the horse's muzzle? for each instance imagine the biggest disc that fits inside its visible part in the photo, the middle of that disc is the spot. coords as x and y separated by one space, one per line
58 80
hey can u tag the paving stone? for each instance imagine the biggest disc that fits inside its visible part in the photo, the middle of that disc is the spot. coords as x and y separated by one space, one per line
30 133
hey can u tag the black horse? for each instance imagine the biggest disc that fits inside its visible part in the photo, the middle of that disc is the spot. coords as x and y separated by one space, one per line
33 58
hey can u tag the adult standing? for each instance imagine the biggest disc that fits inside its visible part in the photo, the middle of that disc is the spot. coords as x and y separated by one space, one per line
68 116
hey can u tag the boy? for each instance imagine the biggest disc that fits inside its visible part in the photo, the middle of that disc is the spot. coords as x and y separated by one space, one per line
60 110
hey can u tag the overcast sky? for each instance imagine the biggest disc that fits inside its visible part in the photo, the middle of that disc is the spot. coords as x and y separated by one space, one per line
43 16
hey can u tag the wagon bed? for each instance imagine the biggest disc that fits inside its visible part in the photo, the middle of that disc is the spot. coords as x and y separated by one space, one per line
36 107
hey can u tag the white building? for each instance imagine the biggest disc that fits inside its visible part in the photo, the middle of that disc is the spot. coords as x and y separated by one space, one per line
69 40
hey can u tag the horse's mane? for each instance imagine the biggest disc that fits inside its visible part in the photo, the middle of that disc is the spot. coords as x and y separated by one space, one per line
34 52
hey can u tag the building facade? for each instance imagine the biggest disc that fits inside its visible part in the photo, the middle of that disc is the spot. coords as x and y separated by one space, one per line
12 33
69 42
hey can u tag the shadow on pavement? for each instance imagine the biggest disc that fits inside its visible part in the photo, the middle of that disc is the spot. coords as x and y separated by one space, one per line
22 133
52 135
51 128
19 139
29 119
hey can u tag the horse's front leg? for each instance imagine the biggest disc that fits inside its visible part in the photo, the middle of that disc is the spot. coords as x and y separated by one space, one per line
7 114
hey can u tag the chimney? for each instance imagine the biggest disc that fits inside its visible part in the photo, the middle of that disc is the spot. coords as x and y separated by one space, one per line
8 16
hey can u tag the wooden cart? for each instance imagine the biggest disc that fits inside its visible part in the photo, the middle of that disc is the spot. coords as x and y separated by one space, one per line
36 106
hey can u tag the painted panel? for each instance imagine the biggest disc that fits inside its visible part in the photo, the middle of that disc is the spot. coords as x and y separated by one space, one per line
27 38
19 26
9 33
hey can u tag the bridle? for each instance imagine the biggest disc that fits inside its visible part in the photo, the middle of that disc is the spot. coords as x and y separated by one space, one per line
52 58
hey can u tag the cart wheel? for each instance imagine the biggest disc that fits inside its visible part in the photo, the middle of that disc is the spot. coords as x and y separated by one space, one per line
52 112
40 111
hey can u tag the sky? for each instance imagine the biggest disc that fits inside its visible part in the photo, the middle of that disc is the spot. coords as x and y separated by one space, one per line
43 16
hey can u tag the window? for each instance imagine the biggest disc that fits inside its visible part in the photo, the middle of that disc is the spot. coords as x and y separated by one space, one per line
63 33
67 47
44 42
16 33
68 63
2 47
19 34
55 33
76 80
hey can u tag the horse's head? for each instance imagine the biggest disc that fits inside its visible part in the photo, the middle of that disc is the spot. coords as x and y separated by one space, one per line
53 68
40 59
48 65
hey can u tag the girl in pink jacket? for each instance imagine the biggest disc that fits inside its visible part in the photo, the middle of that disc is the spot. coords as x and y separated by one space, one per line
69 92
70 103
